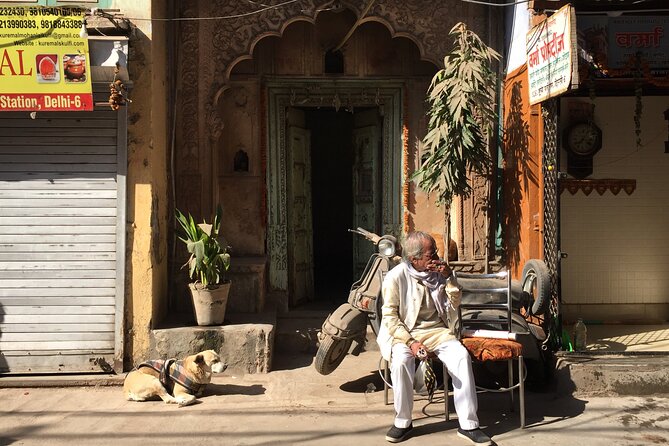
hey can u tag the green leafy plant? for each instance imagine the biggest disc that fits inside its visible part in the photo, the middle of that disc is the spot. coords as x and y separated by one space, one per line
461 116
209 257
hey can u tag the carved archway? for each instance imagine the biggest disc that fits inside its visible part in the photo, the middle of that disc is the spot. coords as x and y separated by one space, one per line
209 50
422 22
425 23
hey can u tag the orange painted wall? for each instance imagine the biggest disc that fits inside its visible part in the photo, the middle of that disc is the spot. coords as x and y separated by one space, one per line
522 216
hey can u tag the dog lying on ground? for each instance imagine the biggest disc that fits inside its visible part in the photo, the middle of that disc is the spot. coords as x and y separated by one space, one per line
177 382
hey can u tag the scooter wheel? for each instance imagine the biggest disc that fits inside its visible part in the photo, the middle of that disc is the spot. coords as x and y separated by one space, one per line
331 353
537 284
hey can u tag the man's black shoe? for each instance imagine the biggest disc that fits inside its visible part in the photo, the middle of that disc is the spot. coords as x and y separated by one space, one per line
475 436
397 434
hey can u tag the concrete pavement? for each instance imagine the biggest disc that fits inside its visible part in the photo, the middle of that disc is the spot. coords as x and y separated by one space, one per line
294 405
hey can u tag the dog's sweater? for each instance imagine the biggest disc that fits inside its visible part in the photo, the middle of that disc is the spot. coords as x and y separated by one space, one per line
172 371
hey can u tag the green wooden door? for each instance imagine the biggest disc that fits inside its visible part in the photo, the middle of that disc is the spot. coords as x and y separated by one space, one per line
300 230
366 187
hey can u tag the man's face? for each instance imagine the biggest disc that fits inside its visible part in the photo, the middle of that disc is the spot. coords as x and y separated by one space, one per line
429 253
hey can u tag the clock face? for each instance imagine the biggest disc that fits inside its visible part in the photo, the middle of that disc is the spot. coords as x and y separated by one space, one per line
584 139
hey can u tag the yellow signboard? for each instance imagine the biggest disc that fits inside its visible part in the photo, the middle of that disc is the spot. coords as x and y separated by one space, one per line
44 63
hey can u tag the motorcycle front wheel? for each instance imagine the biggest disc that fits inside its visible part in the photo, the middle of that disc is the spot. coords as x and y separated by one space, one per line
331 352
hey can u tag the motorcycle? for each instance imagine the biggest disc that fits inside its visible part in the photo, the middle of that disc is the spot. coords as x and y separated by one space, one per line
344 330
347 325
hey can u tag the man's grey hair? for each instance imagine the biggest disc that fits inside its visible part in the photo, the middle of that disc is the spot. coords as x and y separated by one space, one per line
413 244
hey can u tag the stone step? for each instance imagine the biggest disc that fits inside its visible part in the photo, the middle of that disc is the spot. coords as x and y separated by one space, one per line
616 373
245 342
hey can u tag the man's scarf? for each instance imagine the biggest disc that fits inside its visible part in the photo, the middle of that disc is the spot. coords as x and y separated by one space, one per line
434 281
176 374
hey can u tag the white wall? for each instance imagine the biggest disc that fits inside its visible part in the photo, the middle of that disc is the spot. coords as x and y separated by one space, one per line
519 24
618 246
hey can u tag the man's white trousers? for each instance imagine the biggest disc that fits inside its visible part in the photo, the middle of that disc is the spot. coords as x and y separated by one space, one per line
459 365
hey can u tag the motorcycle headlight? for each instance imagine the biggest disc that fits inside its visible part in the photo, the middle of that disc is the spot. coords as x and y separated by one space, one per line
386 247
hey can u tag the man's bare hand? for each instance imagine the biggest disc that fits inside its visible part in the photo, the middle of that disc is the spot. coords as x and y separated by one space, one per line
419 350
439 266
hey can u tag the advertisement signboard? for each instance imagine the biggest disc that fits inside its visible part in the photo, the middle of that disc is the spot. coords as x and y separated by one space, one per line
44 62
615 42
552 62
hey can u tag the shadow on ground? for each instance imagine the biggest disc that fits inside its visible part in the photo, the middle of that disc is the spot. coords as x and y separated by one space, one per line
291 361
551 404
232 389
371 382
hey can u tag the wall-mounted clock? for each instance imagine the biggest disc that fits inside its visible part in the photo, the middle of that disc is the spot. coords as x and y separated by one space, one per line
583 139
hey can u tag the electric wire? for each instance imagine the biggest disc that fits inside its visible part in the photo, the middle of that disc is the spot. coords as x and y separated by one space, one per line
235 16
480 2
288 2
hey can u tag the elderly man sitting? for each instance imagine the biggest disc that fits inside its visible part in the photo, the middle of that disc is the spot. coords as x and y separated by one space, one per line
420 297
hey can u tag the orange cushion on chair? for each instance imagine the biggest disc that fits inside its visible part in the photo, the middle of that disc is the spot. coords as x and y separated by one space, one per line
487 349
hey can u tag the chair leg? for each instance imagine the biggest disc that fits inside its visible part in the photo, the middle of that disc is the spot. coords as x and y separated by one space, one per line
447 379
385 382
521 388
510 367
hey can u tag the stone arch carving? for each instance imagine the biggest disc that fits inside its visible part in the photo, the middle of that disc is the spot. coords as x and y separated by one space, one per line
424 55
261 36
425 23
389 26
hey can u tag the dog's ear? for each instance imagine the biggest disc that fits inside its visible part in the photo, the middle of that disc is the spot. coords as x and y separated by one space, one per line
199 359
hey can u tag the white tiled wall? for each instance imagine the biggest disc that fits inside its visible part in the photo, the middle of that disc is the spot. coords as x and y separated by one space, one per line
618 245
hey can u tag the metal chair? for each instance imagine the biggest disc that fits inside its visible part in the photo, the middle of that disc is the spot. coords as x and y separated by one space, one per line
485 328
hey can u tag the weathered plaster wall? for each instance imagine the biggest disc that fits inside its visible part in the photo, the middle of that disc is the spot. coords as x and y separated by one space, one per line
424 214
239 107
146 261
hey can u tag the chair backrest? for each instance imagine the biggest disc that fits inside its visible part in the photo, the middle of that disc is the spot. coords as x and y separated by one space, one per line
486 302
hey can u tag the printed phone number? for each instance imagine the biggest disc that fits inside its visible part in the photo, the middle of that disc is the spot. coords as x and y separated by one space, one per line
48 24
18 24
63 12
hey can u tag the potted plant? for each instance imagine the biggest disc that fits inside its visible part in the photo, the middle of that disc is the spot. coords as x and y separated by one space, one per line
209 260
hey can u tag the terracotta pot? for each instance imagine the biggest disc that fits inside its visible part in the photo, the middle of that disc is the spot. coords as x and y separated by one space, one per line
209 304
74 70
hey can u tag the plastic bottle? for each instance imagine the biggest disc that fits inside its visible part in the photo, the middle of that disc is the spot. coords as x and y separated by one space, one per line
580 335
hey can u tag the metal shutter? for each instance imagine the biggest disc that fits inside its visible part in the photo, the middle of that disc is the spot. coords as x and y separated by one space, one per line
62 232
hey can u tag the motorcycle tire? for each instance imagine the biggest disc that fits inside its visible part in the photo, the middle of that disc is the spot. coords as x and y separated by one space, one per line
331 352
537 285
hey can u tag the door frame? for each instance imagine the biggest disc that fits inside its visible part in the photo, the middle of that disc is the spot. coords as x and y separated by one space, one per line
286 92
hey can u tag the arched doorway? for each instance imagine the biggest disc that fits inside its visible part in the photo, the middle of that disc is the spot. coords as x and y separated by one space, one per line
358 146
373 77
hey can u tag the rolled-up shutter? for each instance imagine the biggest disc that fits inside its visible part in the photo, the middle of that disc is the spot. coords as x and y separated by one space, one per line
62 232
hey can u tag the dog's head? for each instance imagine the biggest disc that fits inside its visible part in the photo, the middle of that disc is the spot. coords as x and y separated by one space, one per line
205 363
